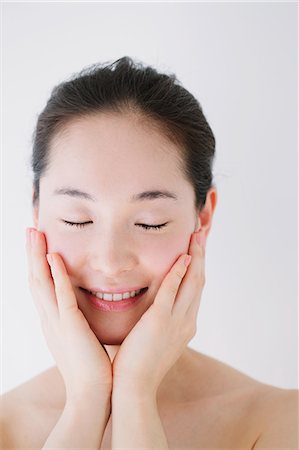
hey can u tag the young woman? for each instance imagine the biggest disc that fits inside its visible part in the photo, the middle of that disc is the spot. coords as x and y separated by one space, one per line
123 202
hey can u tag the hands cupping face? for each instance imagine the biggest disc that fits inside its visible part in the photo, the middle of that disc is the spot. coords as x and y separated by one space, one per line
149 350
189 294
69 337
163 332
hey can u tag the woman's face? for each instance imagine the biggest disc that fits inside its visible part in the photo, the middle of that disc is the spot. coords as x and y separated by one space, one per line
113 158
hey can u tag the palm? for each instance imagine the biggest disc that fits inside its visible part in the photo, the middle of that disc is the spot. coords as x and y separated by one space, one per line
134 350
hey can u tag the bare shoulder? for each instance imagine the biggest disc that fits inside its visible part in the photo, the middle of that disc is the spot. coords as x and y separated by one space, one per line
278 412
259 415
15 409
25 406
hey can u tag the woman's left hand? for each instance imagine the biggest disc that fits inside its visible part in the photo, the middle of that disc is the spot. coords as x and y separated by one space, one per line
161 335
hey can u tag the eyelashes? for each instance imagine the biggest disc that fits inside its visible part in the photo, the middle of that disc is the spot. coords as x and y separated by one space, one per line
142 225
75 224
154 227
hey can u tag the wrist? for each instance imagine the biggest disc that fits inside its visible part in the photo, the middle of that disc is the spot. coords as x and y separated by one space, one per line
88 412
132 394
89 399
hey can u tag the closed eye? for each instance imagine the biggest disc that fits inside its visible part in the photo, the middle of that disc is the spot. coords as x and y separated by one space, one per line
142 225
154 227
75 224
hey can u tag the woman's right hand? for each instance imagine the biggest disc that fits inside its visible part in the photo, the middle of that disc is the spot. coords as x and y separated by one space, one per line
81 359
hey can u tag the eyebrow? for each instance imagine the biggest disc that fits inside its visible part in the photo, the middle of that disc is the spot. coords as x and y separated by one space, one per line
142 196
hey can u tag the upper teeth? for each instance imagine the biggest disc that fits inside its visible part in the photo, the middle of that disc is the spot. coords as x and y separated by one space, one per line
116 297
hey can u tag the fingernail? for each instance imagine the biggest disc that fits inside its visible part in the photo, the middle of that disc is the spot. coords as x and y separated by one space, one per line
187 260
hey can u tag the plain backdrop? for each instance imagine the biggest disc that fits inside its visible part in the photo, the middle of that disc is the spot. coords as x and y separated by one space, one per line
240 61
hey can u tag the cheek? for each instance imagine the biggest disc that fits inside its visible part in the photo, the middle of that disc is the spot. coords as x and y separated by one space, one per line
161 255
67 249
157 256
57 241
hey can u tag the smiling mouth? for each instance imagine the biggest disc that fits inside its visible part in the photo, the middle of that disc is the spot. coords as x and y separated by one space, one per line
115 297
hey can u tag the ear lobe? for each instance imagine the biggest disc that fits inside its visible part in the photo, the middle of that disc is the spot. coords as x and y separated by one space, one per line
214 198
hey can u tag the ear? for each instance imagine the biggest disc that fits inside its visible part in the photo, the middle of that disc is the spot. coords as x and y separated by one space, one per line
35 212
205 216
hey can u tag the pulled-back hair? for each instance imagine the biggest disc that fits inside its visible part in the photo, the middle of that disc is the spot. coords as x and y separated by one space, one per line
127 86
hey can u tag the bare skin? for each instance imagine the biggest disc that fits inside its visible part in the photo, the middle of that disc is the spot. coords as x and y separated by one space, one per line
202 402
205 404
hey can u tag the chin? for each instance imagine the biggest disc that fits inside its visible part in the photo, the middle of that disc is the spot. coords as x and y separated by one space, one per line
111 337
114 329
111 341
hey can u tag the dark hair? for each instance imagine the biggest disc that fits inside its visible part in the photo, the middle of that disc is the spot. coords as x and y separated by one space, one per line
125 86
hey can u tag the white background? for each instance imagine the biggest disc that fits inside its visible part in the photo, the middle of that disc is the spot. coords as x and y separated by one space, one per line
240 62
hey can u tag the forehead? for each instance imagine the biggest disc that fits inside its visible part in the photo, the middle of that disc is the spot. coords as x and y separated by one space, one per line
114 140
114 153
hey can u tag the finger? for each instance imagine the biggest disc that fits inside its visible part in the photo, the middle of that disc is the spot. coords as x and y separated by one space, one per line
65 295
190 290
170 285
40 278
37 304
192 311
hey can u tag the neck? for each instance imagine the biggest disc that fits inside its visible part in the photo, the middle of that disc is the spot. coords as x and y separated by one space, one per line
174 387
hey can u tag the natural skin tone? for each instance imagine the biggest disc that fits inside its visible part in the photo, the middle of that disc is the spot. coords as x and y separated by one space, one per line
154 344
112 158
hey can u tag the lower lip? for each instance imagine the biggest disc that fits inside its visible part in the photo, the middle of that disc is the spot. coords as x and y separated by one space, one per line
121 305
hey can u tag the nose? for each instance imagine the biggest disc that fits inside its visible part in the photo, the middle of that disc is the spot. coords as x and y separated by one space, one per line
111 255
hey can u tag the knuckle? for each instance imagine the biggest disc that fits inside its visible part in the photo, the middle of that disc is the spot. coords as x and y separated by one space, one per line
178 274
195 277
33 278
38 283
191 331
173 289
199 277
